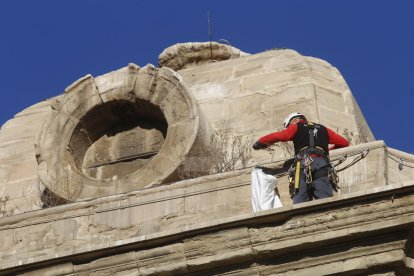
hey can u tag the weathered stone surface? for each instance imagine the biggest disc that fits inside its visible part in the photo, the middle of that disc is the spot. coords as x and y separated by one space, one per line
118 85
208 251
165 260
284 82
123 264
185 55
91 135
61 269
248 96
342 236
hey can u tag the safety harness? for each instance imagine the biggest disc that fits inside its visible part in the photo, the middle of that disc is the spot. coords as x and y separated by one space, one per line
303 160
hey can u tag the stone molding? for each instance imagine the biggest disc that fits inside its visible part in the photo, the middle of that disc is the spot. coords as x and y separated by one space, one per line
344 235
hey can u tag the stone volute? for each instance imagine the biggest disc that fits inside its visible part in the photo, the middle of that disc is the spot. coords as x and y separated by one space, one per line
123 131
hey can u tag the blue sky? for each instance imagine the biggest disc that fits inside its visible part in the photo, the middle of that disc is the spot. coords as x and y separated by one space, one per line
45 45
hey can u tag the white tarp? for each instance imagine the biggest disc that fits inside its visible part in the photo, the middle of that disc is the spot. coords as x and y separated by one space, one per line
263 191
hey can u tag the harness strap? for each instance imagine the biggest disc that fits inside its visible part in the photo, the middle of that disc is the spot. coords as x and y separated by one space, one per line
311 135
297 175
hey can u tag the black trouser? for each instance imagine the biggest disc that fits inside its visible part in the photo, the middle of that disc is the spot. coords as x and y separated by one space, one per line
319 188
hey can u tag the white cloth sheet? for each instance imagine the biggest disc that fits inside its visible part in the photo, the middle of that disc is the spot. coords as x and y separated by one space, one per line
263 191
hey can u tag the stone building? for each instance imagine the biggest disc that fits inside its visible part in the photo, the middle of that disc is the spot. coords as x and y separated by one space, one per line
113 176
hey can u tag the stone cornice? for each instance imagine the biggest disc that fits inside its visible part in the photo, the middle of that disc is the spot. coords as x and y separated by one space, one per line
355 221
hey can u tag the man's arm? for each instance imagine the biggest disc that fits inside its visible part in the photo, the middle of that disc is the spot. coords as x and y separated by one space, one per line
337 140
281 136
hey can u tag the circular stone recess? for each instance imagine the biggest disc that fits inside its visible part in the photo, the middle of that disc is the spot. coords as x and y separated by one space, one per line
126 130
122 137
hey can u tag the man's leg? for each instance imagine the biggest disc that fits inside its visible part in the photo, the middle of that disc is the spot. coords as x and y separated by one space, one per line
321 185
323 188
303 194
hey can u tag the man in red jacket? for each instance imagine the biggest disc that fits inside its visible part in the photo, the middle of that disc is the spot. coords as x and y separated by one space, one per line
311 142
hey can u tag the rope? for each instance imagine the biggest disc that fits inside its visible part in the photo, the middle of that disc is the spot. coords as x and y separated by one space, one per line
390 154
361 156
341 159
400 161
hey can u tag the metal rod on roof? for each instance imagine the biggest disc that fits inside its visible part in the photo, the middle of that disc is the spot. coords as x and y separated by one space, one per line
210 35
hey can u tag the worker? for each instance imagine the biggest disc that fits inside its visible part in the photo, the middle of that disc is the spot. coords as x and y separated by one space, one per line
311 142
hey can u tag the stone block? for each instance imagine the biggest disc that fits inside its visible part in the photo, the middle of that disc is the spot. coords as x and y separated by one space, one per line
49 138
210 250
328 82
162 89
273 80
80 97
169 259
54 270
157 216
280 54
230 200
283 62
323 67
220 75
331 81
104 232
37 109
248 68
22 171
278 113
23 123
4 174
122 264
330 99
118 84
218 114
23 204
7 246
14 131
210 91
289 96
243 115
182 108
214 66
373 260
17 152
331 118
22 188
34 242
362 176
116 218
145 81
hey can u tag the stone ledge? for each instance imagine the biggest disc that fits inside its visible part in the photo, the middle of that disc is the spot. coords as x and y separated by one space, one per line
278 216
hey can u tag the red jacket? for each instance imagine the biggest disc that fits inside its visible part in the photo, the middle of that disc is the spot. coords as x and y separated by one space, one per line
289 133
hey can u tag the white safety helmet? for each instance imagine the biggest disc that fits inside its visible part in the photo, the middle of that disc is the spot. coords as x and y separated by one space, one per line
290 117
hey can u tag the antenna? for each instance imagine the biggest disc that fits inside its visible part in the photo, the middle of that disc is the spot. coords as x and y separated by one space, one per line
210 35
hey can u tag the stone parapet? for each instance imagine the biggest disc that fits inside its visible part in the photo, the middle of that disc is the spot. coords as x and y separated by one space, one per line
365 231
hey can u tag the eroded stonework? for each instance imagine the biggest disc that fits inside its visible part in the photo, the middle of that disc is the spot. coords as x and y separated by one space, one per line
123 131
115 147
186 55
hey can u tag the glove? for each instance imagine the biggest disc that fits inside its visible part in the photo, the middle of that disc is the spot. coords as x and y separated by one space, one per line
258 145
